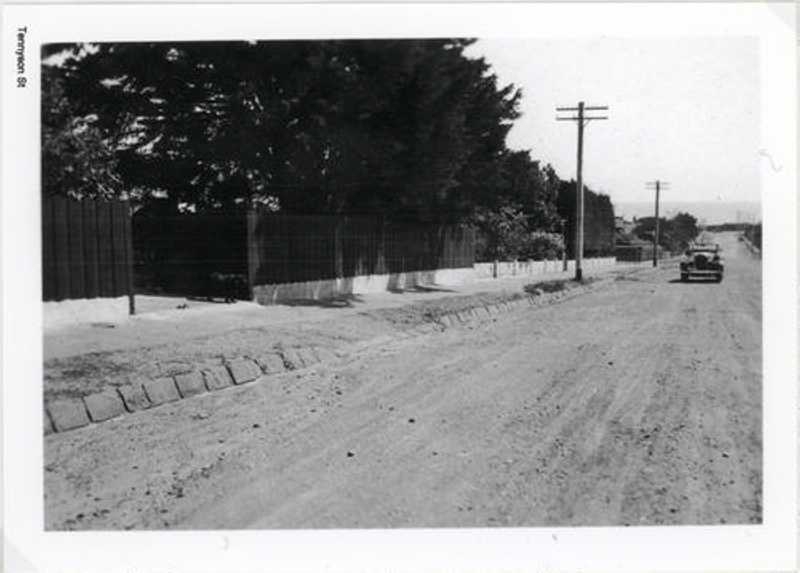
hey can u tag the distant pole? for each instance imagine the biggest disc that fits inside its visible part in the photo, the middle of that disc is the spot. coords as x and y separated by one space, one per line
579 214
658 225
579 209
657 183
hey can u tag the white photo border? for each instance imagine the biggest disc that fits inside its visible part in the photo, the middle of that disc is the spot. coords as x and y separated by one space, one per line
769 546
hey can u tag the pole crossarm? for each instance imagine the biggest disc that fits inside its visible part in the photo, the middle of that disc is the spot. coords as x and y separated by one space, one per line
578 118
585 108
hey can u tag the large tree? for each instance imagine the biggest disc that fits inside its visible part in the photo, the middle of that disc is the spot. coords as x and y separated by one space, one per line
406 126
598 222
78 159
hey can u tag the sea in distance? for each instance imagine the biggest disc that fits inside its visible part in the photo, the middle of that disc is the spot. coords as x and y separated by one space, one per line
706 212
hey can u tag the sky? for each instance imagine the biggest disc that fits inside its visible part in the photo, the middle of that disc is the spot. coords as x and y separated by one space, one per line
681 110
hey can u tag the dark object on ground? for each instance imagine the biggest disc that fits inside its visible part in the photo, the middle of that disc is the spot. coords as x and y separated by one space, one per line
229 287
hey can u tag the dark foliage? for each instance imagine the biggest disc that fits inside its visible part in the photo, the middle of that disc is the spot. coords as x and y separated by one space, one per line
673 234
598 223
78 158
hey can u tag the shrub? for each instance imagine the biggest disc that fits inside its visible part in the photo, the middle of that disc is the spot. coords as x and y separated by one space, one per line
544 246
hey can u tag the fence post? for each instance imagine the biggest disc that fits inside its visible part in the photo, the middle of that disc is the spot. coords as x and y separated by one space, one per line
129 262
252 251
340 229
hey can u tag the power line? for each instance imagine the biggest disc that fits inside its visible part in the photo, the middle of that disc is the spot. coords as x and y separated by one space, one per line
582 120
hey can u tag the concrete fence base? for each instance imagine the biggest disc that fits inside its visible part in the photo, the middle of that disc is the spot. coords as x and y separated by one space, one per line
115 310
370 284
511 269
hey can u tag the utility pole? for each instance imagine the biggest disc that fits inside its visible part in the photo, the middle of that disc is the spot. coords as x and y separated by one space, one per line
657 185
582 120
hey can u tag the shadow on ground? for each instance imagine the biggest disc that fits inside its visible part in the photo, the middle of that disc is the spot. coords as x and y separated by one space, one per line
338 302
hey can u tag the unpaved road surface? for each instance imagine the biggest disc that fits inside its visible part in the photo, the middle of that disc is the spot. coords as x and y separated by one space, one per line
636 402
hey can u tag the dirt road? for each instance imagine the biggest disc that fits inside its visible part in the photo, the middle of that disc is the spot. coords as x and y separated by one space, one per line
638 402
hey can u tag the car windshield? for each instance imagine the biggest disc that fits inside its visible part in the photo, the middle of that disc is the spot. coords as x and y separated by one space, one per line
702 251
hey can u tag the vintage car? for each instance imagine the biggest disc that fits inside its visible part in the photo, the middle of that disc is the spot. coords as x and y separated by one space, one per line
702 261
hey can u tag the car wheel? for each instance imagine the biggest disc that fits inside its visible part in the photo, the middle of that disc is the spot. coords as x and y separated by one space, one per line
684 277
719 278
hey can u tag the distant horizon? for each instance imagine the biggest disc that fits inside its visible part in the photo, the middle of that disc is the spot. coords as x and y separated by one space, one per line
706 212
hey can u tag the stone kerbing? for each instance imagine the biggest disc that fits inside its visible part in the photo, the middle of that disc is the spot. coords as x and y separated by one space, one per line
134 397
161 390
140 394
244 370
217 377
190 384
47 423
271 363
104 406
292 359
68 414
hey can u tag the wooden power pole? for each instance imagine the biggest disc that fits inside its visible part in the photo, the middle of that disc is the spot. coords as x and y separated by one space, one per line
658 186
582 120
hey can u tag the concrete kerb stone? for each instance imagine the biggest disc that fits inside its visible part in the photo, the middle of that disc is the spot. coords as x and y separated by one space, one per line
104 406
47 423
161 390
68 414
271 363
217 377
292 359
243 370
190 384
134 397
489 312
308 356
